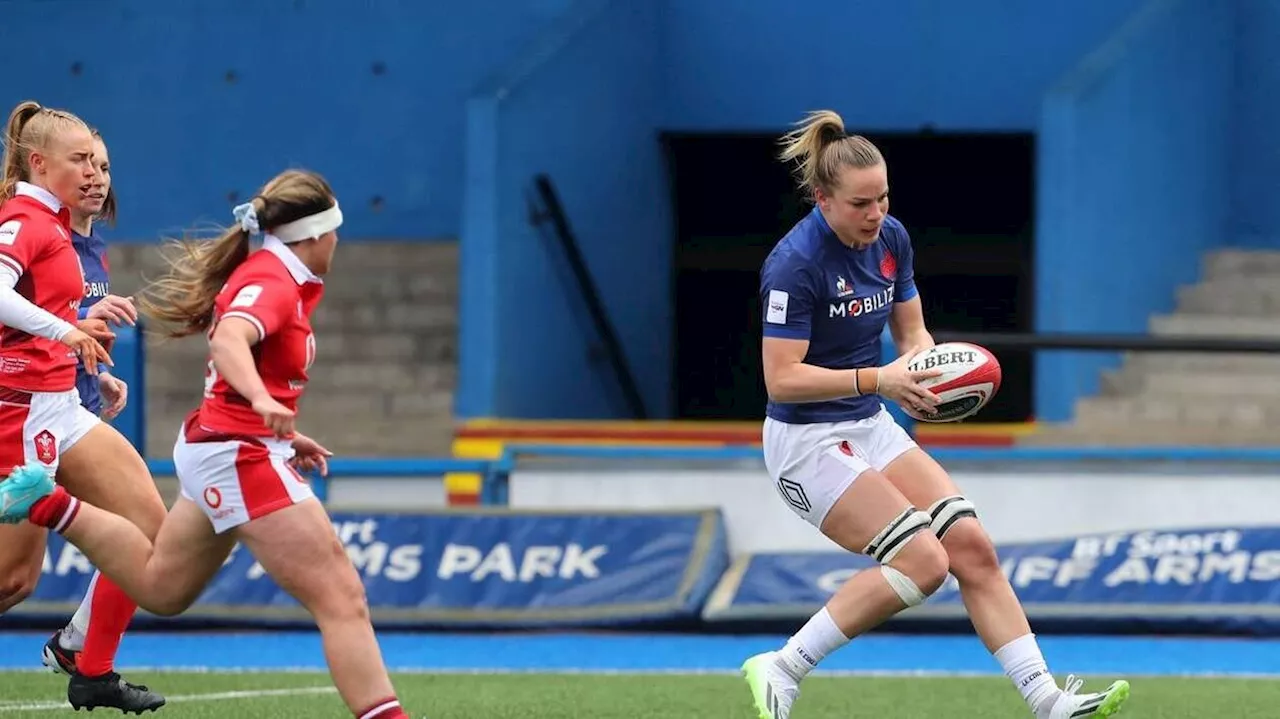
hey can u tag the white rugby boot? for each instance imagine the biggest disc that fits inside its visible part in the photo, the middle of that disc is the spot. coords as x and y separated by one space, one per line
772 689
1071 705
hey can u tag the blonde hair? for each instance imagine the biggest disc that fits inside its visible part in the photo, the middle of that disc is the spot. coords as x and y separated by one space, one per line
821 149
30 128
184 298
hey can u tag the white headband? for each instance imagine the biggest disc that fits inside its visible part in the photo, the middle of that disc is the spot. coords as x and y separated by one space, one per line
296 231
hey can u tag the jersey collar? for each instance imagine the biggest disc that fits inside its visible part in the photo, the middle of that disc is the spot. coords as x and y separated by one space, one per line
822 221
43 196
301 274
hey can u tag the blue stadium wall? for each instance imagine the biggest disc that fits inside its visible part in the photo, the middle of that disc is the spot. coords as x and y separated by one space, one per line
1255 151
1155 118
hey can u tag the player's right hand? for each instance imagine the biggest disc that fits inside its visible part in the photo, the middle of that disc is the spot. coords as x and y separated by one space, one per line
98 330
903 386
87 349
278 418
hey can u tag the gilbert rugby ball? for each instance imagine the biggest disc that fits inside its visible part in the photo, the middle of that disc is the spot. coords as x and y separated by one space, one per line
970 378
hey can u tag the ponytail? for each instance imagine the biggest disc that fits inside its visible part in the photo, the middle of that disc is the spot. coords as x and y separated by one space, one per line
197 271
821 149
15 154
184 299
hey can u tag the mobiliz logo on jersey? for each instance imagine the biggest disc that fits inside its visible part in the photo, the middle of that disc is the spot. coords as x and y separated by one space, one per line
859 306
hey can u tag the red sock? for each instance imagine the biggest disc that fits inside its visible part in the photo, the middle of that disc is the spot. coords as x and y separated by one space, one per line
55 510
385 709
112 610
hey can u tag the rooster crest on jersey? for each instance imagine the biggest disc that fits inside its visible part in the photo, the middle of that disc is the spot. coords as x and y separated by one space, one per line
970 378
843 288
888 266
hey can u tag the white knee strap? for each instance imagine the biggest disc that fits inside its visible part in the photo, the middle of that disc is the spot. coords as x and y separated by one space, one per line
896 534
903 586
947 511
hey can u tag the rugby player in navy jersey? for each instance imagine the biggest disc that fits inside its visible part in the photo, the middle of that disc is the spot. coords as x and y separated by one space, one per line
836 456
98 302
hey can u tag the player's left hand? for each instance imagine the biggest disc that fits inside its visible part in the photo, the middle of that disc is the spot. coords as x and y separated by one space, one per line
116 393
309 455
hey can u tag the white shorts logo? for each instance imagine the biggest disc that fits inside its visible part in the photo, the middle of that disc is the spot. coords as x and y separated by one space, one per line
776 313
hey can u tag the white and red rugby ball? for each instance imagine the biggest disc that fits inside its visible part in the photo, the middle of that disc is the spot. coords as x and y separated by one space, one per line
970 378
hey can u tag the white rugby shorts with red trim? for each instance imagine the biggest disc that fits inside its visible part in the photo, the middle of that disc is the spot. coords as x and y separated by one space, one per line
236 479
40 426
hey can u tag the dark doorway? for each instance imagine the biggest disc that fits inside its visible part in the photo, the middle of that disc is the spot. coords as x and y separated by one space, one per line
967 199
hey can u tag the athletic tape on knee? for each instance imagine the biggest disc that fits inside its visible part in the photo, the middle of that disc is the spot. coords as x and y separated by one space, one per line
901 584
895 536
947 511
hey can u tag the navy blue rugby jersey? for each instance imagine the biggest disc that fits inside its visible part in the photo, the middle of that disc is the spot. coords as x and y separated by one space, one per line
813 287
97 284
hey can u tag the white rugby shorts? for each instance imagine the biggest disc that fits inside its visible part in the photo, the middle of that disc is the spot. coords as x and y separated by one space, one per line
40 426
237 480
811 465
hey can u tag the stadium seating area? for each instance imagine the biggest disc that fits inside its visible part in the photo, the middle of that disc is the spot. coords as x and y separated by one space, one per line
388 330
1162 398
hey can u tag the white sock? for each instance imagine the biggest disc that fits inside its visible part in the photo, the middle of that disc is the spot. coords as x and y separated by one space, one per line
816 639
74 633
1024 665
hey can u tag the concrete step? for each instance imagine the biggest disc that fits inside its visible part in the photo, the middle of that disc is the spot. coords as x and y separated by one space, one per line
1241 263
1192 325
385 376
161 349
1190 386
418 405
1249 296
397 256
1223 362
385 346
343 406
395 317
394 286
387 437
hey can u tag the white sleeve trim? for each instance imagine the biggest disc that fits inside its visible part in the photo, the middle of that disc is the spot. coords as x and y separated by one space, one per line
17 312
262 331
12 264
